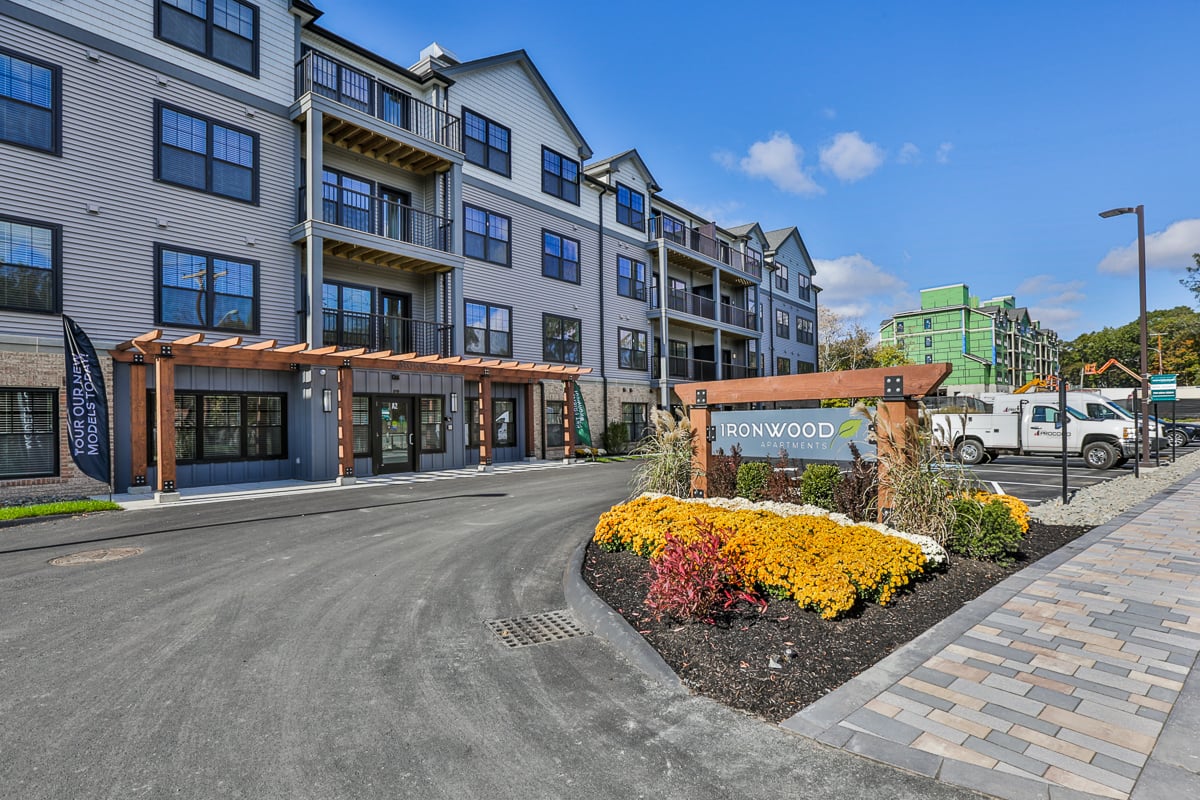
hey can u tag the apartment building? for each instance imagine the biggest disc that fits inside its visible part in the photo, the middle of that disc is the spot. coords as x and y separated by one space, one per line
992 345
312 262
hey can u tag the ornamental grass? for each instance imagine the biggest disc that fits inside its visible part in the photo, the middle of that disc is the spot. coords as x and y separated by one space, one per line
823 565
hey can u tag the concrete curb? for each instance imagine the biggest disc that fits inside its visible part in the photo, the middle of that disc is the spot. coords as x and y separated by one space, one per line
596 615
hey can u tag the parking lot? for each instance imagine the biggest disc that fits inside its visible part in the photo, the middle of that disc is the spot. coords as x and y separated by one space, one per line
1036 479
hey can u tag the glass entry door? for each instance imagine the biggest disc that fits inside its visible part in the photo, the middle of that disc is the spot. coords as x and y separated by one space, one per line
394 445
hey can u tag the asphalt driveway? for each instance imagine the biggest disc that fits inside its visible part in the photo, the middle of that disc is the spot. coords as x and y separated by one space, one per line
333 645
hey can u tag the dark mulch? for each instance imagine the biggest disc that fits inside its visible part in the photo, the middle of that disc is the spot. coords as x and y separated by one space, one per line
729 660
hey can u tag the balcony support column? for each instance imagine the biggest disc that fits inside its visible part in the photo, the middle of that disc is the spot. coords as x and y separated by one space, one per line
664 391
720 369
314 185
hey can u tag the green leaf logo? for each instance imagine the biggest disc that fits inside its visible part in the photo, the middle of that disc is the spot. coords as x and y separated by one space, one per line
849 428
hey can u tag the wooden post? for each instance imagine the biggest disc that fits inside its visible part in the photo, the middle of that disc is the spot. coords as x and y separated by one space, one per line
896 421
529 421
700 418
140 452
164 392
345 378
486 426
568 419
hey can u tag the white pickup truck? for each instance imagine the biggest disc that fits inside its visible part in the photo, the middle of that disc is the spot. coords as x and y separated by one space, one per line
1033 428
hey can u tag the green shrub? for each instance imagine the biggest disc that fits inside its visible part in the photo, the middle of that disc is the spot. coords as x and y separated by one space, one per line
723 472
752 480
857 492
984 530
818 483
616 437
61 507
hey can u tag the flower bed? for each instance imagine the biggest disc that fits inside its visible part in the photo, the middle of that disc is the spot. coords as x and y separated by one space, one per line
822 561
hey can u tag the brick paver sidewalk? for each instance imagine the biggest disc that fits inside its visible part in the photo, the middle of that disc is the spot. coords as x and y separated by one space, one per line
1071 678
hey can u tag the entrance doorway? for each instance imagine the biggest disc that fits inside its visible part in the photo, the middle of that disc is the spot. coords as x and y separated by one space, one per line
395 312
393 444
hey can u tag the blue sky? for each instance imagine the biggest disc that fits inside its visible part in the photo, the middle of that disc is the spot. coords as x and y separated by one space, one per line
913 144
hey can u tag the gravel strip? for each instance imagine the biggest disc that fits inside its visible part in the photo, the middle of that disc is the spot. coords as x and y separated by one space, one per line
1097 504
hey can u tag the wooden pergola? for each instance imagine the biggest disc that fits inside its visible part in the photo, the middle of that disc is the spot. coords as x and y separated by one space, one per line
151 348
897 408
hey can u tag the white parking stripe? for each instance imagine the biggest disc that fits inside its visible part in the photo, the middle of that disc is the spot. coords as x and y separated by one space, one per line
996 485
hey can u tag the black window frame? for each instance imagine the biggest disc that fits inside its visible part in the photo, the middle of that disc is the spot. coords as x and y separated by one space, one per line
360 420
806 330
471 418
554 183
436 422
804 287
627 357
56 267
487 237
783 324
511 439
635 427
805 367
209 288
209 25
555 266
488 124
556 431
929 359
488 350
631 285
209 157
56 105
899 326
633 218
929 341
547 351
198 427
781 279
783 365
51 436
928 323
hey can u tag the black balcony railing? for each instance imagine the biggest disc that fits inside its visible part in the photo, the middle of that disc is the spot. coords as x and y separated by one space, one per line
694 240
695 369
328 77
741 317
382 332
381 216
730 371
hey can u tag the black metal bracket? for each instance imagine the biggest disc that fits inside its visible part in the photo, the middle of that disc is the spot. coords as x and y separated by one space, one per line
168 486
893 387
139 480
701 398
139 358
165 351
711 433
348 471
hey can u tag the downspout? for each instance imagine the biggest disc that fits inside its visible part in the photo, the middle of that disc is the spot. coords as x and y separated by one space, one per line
600 283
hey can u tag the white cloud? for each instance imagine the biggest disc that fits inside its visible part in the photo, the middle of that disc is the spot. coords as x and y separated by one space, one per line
1056 318
855 288
943 152
779 160
909 154
850 158
1168 249
829 113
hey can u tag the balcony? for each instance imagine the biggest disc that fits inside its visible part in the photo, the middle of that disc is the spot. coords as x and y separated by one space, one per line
415 135
348 329
739 317
695 369
692 240
686 302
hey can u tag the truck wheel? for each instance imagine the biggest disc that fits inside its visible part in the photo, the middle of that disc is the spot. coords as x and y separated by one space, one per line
992 455
970 451
1177 438
1100 455
1122 461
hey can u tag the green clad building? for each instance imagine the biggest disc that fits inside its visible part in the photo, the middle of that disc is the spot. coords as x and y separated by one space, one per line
993 345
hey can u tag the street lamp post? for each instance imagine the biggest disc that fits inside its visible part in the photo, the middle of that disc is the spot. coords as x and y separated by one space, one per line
1144 330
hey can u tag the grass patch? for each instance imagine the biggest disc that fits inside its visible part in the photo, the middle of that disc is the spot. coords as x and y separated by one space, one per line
50 509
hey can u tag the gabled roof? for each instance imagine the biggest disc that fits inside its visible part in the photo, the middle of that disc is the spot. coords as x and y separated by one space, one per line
612 162
744 231
306 9
777 238
522 59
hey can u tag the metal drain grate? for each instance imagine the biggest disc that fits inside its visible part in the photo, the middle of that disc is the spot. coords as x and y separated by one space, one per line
550 626
96 556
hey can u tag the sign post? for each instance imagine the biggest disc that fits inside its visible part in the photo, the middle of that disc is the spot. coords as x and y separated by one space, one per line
1162 388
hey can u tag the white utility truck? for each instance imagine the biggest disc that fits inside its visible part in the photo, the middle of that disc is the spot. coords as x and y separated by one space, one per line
1033 427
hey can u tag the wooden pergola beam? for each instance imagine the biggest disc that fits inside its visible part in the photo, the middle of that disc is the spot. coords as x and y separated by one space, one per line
919 380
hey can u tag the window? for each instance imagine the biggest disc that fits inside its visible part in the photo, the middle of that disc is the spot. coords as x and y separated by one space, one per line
631 207
486 236
783 365
560 176
347 315
631 278
635 416
471 409
899 326
488 330
341 83
805 330
665 226
29 265
560 257
561 339
432 417
30 103
202 154
677 358
486 143
805 367
504 423
28 433
928 324
360 409
783 324
928 359
556 428
805 286
223 30
203 290
929 341
781 278
1044 414
226 426
631 349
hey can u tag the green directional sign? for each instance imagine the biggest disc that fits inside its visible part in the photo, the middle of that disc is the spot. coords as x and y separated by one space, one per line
1162 388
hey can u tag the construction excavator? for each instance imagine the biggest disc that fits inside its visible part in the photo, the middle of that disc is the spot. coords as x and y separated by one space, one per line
1092 369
